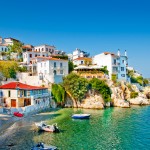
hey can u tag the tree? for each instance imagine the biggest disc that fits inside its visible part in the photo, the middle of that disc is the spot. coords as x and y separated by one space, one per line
58 93
8 68
104 70
71 66
15 48
76 86
102 88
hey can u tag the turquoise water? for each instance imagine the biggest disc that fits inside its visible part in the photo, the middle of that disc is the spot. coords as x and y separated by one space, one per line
112 128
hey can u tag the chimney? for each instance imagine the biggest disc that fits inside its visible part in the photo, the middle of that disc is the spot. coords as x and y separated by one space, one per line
118 52
125 53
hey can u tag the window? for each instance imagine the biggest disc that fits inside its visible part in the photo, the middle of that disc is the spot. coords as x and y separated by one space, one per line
5 49
44 64
49 50
123 75
45 71
35 55
42 49
46 49
114 61
54 72
123 61
28 93
54 64
30 55
61 71
9 94
39 49
122 68
82 62
2 48
61 64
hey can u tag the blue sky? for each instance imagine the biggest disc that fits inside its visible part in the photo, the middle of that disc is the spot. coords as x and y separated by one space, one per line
91 25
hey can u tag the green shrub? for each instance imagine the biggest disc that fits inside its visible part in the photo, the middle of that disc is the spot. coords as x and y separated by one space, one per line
114 77
133 94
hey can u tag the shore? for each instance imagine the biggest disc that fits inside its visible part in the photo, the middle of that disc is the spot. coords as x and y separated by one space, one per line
12 127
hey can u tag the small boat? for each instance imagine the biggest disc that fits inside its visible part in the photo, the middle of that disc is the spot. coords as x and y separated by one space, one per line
81 116
48 128
18 114
42 146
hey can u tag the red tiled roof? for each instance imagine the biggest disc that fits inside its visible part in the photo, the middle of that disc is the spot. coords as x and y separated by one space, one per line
83 58
15 85
106 53
51 58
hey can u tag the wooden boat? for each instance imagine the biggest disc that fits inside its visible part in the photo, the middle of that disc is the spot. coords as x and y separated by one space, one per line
81 116
18 114
48 128
42 146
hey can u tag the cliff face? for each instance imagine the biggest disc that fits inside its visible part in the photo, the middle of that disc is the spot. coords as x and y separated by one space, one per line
120 97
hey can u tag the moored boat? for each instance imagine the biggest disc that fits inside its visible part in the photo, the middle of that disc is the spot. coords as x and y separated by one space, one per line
48 128
81 116
42 146
18 114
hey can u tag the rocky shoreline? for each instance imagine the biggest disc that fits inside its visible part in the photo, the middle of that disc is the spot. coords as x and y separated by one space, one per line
121 97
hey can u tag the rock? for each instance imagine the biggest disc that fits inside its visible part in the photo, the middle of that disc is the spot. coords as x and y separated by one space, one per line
121 103
139 101
93 102
147 92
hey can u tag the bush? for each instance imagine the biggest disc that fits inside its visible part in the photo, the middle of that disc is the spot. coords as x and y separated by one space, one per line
114 77
102 88
133 94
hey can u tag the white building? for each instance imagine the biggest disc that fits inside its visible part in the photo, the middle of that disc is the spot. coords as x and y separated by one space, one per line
45 70
16 94
79 53
42 50
4 43
82 61
116 64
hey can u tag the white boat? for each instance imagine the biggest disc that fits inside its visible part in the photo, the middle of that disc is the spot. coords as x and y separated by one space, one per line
48 128
42 146
81 116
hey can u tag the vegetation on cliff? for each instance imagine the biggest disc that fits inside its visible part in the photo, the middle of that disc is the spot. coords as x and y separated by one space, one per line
8 69
102 88
77 87
58 93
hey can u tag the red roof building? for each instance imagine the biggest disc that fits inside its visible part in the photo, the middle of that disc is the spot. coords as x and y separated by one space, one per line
18 85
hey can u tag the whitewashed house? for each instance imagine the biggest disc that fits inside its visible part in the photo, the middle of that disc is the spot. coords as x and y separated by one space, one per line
79 53
4 43
82 61
42 50
45 70
116 64
16 94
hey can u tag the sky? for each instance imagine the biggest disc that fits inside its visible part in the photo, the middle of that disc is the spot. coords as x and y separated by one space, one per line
94 26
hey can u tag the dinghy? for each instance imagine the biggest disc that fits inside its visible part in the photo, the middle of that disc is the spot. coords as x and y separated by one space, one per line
48 128
42 146
81 116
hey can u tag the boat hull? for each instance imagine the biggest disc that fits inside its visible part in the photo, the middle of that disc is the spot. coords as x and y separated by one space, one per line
81 116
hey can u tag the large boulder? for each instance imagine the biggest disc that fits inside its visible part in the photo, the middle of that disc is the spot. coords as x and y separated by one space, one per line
147 92
139 101
93 102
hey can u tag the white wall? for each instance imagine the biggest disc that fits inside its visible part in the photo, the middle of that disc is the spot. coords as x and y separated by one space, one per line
103 60
27 58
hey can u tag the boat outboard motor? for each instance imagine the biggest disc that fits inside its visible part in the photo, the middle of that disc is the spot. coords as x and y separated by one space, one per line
56 129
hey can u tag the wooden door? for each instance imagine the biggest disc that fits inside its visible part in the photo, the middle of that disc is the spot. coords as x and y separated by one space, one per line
13 102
